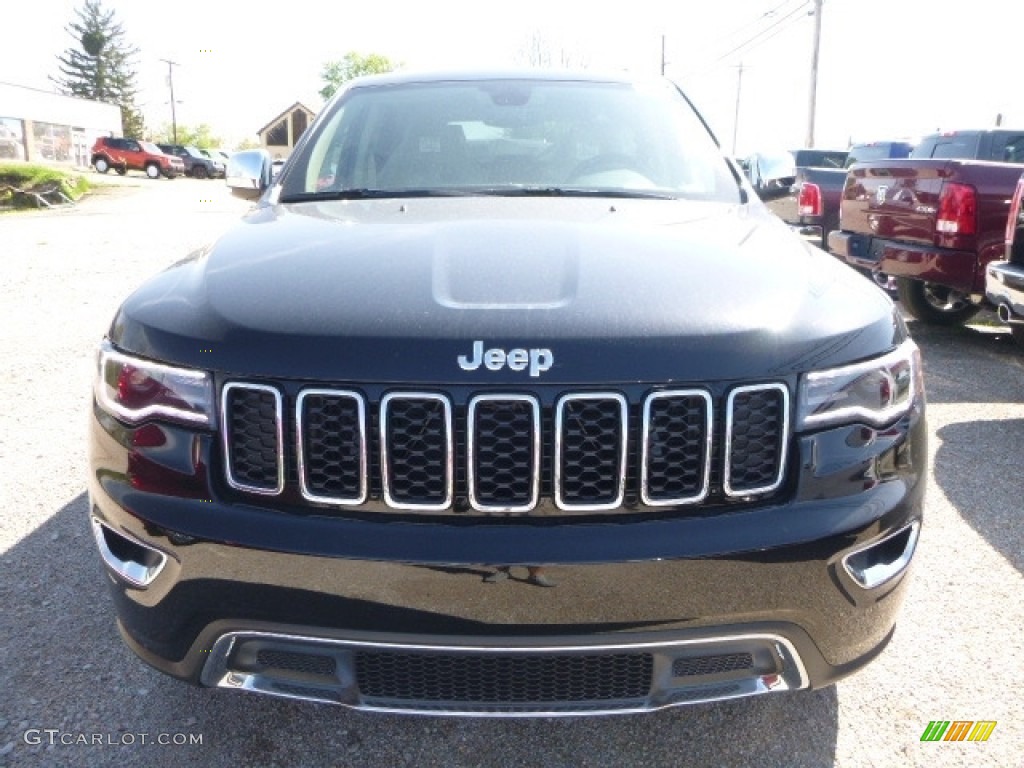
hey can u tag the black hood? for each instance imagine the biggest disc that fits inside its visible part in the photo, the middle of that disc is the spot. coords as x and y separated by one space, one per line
615 290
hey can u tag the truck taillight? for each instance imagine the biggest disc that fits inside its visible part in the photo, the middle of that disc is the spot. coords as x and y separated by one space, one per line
958 210
809 201
1011 222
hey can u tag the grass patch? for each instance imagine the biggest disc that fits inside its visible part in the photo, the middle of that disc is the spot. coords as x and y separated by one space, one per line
34 178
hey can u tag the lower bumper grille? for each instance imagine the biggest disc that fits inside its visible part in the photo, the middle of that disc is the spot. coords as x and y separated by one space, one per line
509 682
514 679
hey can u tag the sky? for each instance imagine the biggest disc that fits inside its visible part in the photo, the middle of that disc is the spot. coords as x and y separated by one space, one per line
887 68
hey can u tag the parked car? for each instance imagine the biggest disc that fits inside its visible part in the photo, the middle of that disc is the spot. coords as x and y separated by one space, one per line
125 155
549 415
866 152
217 155
1004 279
196 163
778 178
933 221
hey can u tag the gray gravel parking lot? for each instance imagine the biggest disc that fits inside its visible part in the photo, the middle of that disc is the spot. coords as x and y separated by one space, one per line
957 654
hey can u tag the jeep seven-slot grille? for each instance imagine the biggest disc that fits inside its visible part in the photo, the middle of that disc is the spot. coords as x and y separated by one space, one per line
506 678
503 452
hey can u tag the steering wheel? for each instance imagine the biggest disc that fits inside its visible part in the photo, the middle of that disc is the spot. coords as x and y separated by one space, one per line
611 161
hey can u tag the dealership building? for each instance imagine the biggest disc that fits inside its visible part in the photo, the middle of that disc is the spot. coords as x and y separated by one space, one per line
39 125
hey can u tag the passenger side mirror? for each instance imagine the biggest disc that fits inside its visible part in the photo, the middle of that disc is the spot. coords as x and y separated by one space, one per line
249 173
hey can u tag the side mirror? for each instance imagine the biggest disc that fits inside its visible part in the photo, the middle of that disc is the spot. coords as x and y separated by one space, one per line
249 173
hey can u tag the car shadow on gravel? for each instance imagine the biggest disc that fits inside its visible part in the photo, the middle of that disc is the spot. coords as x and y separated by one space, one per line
971 456
63 666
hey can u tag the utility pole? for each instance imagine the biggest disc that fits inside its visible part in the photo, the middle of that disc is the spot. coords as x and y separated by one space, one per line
170 83
812 107
662 55
736 119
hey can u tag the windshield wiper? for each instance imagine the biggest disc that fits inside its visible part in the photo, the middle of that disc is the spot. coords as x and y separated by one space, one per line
542 191
366 193
512 190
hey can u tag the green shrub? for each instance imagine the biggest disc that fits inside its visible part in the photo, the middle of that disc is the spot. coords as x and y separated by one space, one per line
28 177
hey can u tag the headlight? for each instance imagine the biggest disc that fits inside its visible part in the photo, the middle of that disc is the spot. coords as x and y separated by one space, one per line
133 389
876 392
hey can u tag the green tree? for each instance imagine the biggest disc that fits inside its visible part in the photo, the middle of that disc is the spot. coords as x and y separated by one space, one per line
247 143
353 65
200 136
100 64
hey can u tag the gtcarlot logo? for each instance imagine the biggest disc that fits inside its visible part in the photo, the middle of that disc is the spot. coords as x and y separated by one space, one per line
55 736
958 730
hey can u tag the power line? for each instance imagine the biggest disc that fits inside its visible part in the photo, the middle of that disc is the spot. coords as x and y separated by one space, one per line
780 25
742 47
767 14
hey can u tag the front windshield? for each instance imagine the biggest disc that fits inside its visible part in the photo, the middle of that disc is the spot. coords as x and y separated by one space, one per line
508 136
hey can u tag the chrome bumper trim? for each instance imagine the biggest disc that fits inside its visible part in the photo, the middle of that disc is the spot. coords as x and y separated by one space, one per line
339 686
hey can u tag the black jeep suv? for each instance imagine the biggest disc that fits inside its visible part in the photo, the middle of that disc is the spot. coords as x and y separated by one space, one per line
196 163
508 397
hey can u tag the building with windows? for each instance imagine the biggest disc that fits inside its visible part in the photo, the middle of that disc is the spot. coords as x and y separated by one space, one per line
43 126
281 134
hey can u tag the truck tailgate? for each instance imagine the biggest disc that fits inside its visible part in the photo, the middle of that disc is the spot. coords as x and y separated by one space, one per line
896 199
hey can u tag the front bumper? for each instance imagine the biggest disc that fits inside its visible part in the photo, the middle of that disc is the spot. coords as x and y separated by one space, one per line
354 610
1004 287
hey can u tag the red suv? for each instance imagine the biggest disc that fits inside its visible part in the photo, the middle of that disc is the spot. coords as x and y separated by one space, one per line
125 155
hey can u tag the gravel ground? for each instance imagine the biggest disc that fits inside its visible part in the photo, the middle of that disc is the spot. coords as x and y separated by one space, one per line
956 654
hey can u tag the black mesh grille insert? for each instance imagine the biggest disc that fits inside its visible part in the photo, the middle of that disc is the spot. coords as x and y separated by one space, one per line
591 455
332 445
416 450
504 459
253 447
311 663
512 678
676 447
712 665
758 424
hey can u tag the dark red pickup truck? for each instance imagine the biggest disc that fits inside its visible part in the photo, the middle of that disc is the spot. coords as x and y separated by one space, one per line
932 221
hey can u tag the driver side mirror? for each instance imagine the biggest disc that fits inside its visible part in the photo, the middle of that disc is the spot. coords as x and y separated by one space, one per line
249 173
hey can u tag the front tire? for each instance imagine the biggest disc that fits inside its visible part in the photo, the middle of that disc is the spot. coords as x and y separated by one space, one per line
199 172
935 304
153 171
102 166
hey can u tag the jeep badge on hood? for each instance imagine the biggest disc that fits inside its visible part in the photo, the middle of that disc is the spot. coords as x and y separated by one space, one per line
494 359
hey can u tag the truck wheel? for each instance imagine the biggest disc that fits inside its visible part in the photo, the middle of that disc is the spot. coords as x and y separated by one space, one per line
935 304
102 165
153 171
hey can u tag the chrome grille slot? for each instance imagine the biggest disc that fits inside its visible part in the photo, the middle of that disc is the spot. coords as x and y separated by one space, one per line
331 435
591 431
676 447
503 454
253 435
756 437
416 437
